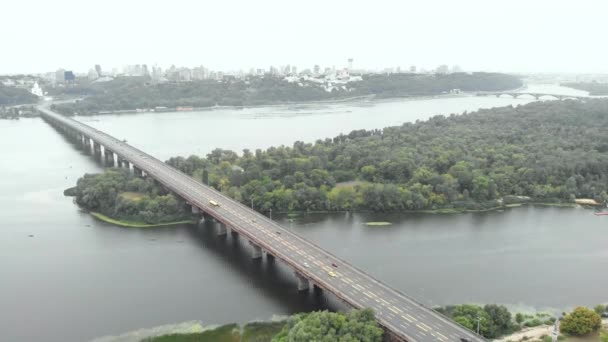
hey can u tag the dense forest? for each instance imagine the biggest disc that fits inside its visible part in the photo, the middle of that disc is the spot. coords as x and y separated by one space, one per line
552 151
121 195
10 96
593 88
138 92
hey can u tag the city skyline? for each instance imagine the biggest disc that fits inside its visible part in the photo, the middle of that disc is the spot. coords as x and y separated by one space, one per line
543 36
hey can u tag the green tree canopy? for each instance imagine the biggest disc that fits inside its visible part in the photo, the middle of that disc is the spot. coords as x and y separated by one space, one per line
580 322
324 326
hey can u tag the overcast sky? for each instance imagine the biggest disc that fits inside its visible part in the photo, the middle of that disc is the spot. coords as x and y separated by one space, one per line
512 36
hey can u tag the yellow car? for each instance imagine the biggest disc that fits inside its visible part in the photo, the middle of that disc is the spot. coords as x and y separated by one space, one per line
332 274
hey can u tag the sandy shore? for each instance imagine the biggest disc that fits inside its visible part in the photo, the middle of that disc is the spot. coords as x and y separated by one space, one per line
533 333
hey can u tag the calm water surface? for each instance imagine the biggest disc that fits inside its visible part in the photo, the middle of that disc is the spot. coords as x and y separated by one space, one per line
76 278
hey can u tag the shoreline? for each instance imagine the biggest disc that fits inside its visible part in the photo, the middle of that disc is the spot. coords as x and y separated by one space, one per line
372 98
443 211
135 224
534 333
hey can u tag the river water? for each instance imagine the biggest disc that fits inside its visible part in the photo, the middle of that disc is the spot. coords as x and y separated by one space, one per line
67 277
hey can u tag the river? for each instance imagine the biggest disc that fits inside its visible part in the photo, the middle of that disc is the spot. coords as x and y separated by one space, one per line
68 277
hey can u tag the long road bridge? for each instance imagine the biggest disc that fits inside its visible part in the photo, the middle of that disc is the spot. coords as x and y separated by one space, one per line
537 96
402 318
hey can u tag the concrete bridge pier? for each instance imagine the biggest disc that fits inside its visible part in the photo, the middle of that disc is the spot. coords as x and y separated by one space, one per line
257 251
96 148
137 171
109 157
316 289
269 257
303 283
221 229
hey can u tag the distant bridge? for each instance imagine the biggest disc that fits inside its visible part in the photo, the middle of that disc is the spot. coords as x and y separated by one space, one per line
537 96
402 318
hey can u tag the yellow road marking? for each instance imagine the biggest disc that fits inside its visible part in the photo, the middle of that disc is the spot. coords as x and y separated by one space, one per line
441 336
419 325
426 326
409 318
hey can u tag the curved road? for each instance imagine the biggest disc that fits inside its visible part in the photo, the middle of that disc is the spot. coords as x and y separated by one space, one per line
402 316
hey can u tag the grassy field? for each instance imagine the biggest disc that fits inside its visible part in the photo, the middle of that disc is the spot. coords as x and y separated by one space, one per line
133 196
134 224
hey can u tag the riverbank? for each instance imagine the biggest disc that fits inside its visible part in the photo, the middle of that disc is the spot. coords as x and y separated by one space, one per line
537 333
136 224
368 99
442 211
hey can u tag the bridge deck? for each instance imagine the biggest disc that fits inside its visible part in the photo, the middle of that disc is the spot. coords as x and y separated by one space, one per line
398 313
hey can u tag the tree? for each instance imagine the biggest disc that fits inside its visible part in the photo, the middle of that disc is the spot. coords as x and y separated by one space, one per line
600 309
324 326
501 317
581 321
519 318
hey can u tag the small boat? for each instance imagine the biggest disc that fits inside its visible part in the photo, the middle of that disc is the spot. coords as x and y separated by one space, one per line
601 213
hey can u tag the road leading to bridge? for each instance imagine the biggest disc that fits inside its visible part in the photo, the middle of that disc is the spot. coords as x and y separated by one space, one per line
402 316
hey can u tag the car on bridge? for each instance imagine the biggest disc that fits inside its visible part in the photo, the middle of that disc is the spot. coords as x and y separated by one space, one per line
214 203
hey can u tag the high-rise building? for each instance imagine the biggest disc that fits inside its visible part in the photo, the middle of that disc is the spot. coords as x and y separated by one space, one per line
350 64
316 70
413 69
98 69
294 70
60 76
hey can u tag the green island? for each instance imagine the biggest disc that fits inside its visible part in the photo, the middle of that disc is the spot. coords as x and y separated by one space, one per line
546 153
131 93
118 197
495 321
594 88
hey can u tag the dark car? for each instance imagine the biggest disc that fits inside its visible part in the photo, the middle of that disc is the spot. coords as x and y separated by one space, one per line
334 265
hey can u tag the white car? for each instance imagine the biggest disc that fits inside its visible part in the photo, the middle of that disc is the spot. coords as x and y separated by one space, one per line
306 265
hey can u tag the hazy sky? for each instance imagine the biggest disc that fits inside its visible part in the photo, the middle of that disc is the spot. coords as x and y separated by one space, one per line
526 35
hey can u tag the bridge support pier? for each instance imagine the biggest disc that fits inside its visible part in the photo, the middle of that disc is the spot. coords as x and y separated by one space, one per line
234 233
96 148
316 289
269 257
109 157
257 250
221 229
137 171
302 282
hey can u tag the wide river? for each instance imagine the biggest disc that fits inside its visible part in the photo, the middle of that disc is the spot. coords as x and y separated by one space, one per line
67 277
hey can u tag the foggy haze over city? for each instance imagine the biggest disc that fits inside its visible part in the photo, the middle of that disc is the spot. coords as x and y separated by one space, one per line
521 36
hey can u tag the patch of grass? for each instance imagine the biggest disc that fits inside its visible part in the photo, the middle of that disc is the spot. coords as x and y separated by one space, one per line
133 196
377 224
225 333
261 331
135 224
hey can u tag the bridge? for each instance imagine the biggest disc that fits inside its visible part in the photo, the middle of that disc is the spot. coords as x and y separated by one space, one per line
402 318
537 96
